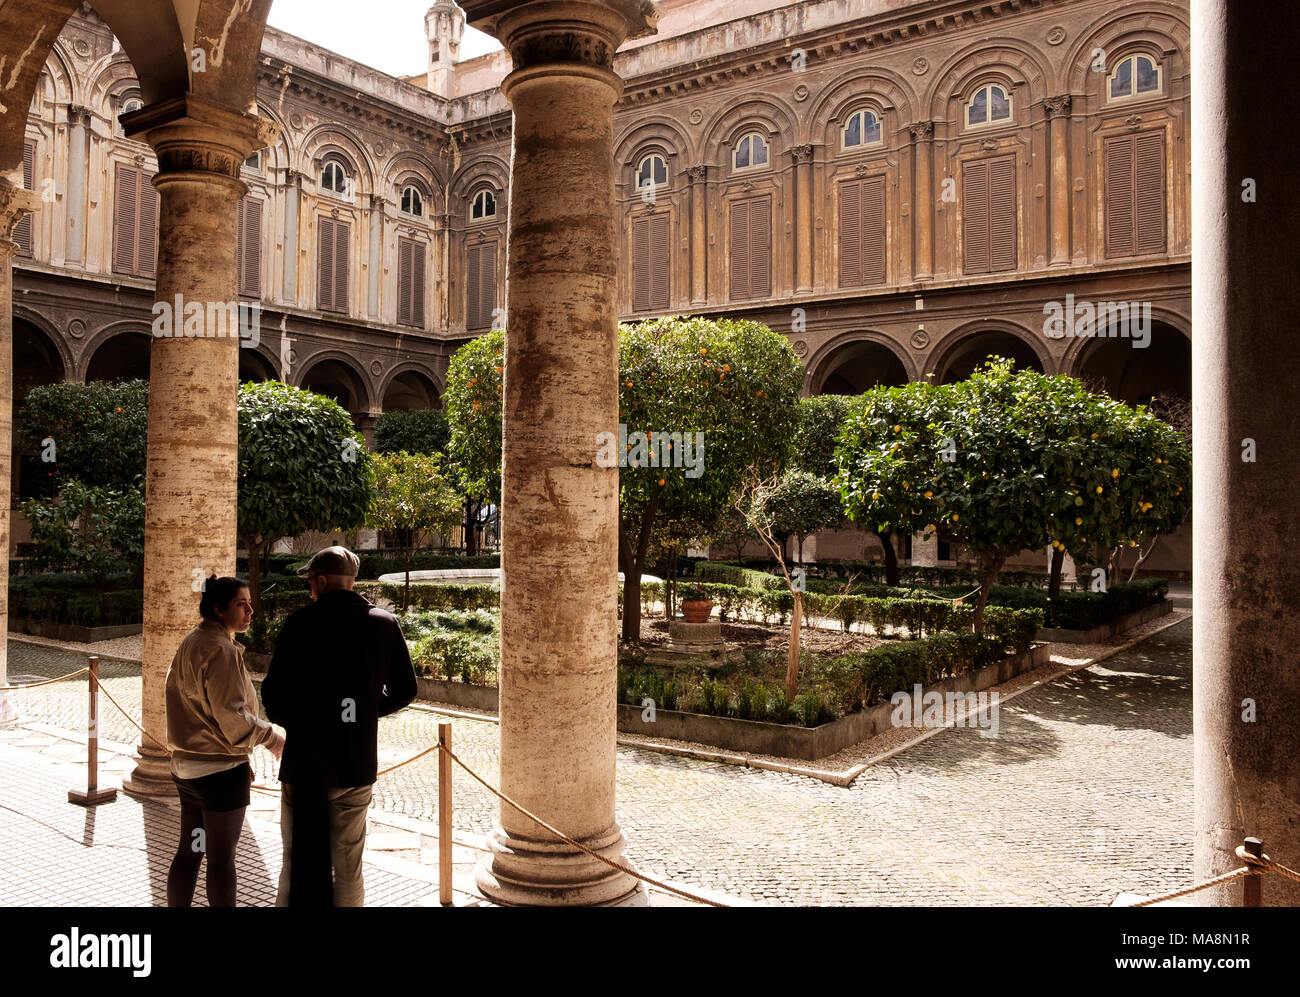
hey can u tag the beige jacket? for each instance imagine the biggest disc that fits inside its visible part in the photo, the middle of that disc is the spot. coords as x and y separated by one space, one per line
211 702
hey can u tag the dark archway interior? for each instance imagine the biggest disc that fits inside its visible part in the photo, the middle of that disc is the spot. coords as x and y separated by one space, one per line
123 358
254 367
36 362
1134 374
336 380
858 367
976 349
411 391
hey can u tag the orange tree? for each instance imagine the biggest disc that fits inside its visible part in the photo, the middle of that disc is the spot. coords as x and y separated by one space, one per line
473 399
735 382
412 499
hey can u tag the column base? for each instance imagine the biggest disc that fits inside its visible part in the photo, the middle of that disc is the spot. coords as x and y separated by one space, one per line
151 778
532 872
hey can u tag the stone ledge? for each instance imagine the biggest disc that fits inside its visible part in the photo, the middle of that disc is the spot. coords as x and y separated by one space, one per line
71 631
1106 631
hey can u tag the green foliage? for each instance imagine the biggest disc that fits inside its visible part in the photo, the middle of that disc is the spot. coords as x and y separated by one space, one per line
99 430
413 497
434 597
78 599
727 574
98 530
799 503
424 431
820 421
297 470
387 561
464 646
473 399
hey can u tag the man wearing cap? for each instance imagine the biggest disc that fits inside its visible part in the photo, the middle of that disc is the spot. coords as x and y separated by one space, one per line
340 664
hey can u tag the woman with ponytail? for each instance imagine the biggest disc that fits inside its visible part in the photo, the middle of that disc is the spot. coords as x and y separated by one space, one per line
212 728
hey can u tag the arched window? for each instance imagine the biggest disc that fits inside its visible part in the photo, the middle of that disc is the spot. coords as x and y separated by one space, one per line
652 171
989 104
862 128
751 151
1134 76
131 104
334 178
484 205
412 201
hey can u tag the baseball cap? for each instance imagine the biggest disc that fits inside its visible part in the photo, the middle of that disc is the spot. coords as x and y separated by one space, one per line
332 561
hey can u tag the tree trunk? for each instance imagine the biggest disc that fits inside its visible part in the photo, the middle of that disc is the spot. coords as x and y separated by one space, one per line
1142 556
255 575
991 568
792 670
471 519
891 559
406 589
1054 584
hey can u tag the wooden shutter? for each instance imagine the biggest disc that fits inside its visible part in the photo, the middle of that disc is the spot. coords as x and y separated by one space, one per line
660 233
342 243
760 247
989 215
248 247
23 230
1135 194
324 264
739 250
1149 191
473 281
862 232
641 264
146 232
126 190
410 282
481 286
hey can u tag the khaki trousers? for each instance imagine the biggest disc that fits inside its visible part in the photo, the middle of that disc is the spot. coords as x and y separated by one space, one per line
347 809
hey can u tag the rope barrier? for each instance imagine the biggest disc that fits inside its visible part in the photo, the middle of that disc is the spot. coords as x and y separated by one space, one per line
1256 865
1227 877
37 685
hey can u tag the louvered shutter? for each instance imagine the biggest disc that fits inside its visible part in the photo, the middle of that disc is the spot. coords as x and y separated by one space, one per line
342 243
125 215
418 251
249 247
1119 196
410 282
1149 191
659 265
146 253
473 280
975 216
850 234
641 264
760 247
873 230
325 264
1002 213
23 230
487 283
739 250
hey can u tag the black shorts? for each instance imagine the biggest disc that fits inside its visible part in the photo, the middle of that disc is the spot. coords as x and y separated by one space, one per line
218 792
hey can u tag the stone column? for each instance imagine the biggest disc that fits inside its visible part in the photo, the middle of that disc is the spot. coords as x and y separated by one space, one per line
699 234
803 157
15 203
923 201
925 553
75 204
292 189
1058 112
1245 368
191 469
560 514
375 266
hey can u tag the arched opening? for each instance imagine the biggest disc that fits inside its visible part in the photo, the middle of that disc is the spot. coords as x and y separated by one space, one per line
976 349
124 357
335 379
1130 372
36 362
857 367
254 367
411 391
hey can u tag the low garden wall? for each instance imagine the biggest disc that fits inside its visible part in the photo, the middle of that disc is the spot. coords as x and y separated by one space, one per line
1106 631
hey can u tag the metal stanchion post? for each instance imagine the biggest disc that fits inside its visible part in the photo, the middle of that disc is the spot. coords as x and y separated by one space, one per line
1252 887
93 796
444 814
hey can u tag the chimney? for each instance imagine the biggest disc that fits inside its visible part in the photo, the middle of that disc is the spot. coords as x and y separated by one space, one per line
443 25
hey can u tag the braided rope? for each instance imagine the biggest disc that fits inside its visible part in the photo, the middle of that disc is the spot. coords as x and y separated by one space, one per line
37 685
1267 864
1227 877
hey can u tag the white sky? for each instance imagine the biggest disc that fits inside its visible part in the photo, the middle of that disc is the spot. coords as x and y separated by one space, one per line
387 35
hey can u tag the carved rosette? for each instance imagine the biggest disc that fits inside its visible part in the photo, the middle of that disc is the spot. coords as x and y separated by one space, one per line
1057 106
922 131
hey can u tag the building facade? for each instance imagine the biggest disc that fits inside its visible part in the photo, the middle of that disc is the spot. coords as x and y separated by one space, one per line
900 188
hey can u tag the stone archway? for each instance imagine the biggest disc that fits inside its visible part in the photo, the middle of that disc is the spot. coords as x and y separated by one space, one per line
255 366
334 378
974 348
123 357
37 361
411 390
1135 374
854 366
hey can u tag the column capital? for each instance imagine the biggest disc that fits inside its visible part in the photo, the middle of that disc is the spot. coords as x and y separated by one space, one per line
697 174
1057 106
15 204
547 32
802 153
191 134
78 115
922 131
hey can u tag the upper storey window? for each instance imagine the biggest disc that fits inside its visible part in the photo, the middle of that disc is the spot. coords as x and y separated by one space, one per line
483 206
412 202
334 178
652 172
1135 76
254 162
988 105
862 128
751 151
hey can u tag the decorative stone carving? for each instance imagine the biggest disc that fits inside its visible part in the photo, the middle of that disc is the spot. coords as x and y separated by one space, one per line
920 339
1056 34
861 170
1134 122
376 367
921 130
77 328
561 46
696 174
920 66
15 203
988 145
801 347
697 115
801 93
802 153
1057 106
747 186
187 159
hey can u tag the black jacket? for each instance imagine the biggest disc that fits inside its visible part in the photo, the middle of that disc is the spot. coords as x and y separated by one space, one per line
339 665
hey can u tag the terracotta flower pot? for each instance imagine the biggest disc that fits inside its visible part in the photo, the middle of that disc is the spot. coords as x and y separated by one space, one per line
697 612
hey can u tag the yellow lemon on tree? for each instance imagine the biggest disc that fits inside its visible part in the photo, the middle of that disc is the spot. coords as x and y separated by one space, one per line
1099 489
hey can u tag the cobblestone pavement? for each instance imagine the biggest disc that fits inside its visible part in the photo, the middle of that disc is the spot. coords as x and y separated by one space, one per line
1085 793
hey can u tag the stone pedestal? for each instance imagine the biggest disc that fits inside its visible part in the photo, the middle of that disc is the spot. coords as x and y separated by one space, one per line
693 644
